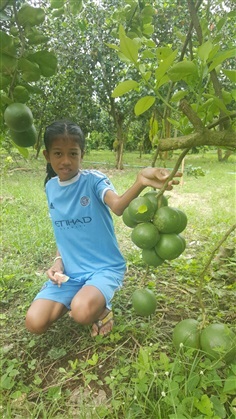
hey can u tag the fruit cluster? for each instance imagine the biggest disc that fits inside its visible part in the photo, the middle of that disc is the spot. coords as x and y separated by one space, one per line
19 119
216 340
156 228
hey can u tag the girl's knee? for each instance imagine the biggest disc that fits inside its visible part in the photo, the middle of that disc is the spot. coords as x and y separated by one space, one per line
34 324
81 313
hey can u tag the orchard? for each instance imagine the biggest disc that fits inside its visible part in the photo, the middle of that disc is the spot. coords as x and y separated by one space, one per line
151 83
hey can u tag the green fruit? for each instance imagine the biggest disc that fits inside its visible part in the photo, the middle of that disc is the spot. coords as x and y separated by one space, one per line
26 138
145 235
167 219
219 342
152 196
141 209
183 241
151 258
183 222
18 117
187 332
127 220
21 94
170 246
144 302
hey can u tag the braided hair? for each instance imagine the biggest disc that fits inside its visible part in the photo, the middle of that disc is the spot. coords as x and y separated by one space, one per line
61 127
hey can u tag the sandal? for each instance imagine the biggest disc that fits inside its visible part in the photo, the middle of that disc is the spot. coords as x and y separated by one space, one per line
99 324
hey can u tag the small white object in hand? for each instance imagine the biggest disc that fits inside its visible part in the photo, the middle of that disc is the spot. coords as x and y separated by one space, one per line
61 277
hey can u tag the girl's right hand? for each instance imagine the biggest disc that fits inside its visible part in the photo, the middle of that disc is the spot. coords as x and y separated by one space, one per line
57 268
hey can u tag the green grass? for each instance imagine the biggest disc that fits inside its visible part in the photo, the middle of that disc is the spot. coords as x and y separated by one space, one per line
135 372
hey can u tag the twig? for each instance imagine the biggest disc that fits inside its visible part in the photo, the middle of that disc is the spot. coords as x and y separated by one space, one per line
202 275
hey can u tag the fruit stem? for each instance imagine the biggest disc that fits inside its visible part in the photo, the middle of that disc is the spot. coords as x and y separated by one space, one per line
173 172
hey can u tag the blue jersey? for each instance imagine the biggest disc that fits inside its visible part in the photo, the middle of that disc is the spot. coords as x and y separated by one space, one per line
82 223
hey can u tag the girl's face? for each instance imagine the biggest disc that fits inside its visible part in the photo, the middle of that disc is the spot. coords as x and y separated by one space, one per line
65 157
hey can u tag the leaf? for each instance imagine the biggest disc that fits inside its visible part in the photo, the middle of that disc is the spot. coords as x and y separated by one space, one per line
218 102
231 74
230 385
174 122
182 69
204 50
46 61
144 104
204 405
222 56
165 65
179 95
22 150
128 47
112 46
30 70
124 87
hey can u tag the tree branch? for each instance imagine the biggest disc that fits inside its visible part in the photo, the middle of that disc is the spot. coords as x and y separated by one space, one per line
210 138
191 115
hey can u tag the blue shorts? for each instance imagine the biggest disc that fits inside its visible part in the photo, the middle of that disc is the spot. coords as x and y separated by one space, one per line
107 282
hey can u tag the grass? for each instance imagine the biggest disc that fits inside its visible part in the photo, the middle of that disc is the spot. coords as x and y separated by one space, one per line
135 372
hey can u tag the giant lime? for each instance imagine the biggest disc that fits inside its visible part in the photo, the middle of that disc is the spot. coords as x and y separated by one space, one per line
141 209
18 117
183 221
145 235
151 258
26 138
152 196
127 220
219 342
187 332
144 302
166 219
170 246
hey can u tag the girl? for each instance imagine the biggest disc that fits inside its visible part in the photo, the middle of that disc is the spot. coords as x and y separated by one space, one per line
79 202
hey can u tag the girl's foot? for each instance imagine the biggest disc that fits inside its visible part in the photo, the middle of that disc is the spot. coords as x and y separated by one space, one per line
104 325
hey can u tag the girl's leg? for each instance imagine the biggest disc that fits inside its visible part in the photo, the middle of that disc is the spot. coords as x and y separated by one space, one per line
42 313
88 306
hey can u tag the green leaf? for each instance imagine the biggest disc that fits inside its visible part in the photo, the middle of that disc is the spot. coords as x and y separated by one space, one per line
204 50
204 405
76 6
174 122
7 45
230 385
179 95
218 102
144 104
46 61
124 87
30 70
22 150
165 65
231 74
112 46
222 56
57 4
30 16
182 69
128 47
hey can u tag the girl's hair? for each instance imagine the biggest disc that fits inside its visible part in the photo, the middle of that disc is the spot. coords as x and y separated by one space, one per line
62 127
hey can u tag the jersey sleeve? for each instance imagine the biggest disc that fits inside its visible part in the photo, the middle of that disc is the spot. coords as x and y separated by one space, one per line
102 185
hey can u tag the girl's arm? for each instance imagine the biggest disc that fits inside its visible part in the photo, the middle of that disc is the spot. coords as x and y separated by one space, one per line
150 176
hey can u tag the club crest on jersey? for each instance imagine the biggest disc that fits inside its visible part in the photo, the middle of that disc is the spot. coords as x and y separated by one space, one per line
84 201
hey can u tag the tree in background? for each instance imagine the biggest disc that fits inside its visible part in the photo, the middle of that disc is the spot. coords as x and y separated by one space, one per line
174 70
